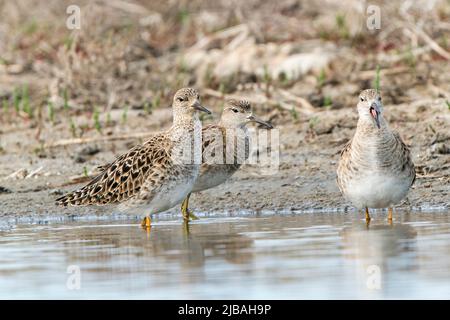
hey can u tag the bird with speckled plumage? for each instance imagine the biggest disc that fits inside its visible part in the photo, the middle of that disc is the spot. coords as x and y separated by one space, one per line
225 146
375 169
154 176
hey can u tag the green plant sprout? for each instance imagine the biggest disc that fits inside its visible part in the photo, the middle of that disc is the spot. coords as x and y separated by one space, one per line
26 102
73 128
66 99
376 82
96 117
125 115
51 112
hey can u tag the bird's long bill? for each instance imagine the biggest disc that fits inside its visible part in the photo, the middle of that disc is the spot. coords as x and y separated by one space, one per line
252 118
375 114
199 107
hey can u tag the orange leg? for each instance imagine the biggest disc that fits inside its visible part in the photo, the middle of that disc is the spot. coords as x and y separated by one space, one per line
146 223
390 215
367 215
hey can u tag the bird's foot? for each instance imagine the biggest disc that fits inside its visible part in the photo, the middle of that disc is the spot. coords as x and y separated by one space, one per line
192 216
146 223
186 227
390 215
187 214
367 217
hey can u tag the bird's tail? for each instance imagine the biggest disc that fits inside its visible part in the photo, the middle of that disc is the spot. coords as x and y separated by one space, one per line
75 198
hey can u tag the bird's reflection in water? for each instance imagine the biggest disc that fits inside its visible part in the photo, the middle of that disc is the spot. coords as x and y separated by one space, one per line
379 251
314 255
172 252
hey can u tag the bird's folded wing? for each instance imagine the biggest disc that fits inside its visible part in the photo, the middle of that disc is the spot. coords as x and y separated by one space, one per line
124 177
346 148
213 140
343 164
216 138
407 163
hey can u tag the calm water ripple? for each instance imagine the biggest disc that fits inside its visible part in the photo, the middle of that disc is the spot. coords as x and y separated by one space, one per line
314 255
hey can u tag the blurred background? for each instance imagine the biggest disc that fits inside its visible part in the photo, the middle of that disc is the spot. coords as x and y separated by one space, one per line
74 98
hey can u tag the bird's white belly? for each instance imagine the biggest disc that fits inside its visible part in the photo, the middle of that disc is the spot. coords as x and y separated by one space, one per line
377 190
167 197
211 180
170 196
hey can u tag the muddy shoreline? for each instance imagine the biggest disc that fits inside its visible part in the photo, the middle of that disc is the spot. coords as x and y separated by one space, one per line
305 180
301 64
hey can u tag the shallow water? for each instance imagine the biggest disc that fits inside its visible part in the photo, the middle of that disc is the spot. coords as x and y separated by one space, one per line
268 256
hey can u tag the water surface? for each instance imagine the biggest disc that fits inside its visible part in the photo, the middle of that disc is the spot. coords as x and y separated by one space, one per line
267 256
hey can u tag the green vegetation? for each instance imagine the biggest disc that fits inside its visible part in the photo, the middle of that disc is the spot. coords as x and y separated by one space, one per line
51 112
30 28
96 117
147 108
283 79
313 122
125 115
222 87
376 82
24 101
16 99
66 100
342 26
267 78
294 113
183 66
5 106
208 76
327 101
410 58
321 78
157 100
68 42
73 128
183 16
108 119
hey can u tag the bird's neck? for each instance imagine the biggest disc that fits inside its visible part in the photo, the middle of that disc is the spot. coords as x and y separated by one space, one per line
185 126
185 120
186 136
372 139
367 126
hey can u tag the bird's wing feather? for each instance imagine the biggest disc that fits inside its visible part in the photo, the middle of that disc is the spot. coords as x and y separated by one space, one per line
343 162
210 134
346 148
124 177
407 163
210 145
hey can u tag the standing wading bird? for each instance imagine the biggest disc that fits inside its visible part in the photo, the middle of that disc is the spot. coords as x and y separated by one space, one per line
222 142
156 175
375 169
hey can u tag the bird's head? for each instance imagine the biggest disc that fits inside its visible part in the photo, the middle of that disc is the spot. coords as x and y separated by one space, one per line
187 102
238 113
370 107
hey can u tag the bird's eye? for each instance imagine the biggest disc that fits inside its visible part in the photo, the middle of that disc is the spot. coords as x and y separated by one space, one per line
379 98
361 99
235 110
180 99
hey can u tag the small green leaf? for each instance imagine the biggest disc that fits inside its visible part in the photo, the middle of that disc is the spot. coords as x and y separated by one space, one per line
96 117
51 112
